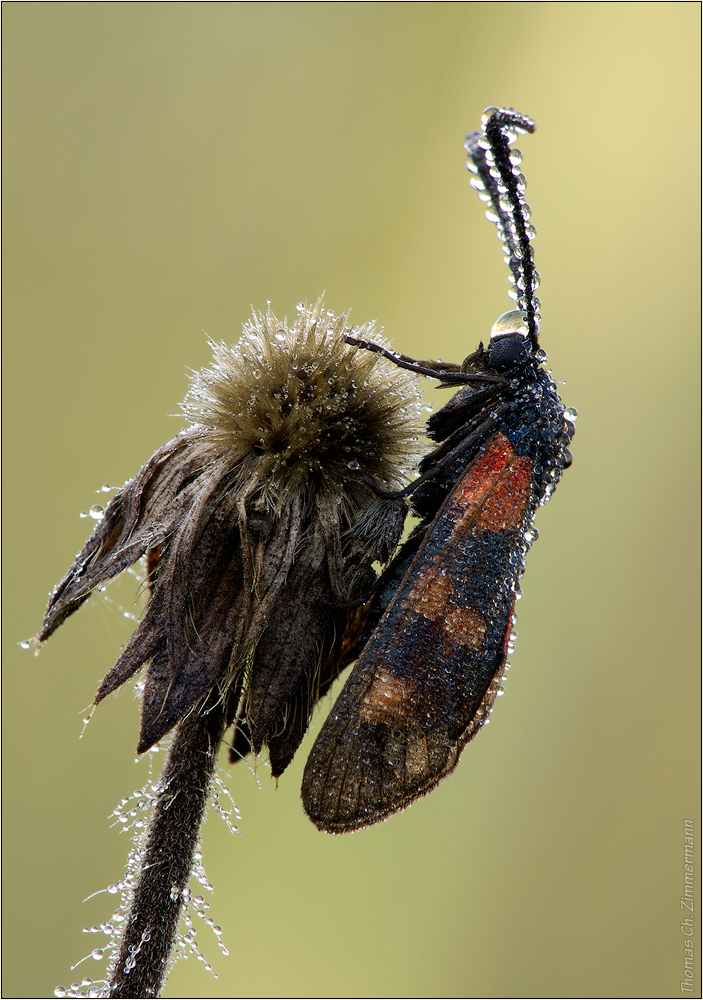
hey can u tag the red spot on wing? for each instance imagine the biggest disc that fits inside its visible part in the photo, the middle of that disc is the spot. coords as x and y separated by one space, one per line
493 495
497 489
481 477
507 503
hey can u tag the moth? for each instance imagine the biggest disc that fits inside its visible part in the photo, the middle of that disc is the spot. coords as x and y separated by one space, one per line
439 628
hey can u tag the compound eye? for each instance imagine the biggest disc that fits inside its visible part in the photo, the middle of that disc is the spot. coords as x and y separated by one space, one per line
507 351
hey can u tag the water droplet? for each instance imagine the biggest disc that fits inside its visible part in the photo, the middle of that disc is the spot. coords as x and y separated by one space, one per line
113 888
25 644
60 991
353 464
569 413
96 512
106 488
98 954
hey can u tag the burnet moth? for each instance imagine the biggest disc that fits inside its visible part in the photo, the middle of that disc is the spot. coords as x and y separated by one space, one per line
439 629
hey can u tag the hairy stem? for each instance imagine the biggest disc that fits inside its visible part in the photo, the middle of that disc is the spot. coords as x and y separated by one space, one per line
166 865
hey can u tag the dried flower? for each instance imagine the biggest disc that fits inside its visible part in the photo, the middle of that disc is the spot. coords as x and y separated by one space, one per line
256 526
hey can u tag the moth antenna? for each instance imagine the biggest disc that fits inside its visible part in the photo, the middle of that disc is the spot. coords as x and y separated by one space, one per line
500 183
450 374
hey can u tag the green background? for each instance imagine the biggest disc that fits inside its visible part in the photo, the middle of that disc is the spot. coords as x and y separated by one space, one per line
166 166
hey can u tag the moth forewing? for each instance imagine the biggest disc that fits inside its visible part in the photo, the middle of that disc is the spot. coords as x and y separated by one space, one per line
426 679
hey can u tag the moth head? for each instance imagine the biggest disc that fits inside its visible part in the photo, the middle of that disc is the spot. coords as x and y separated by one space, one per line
510 342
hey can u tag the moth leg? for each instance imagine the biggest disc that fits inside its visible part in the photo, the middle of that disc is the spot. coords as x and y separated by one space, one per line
446 460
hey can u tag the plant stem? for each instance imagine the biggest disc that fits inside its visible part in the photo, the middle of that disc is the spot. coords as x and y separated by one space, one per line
167 862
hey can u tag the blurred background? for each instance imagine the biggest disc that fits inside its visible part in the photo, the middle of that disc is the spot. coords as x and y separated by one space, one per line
166 167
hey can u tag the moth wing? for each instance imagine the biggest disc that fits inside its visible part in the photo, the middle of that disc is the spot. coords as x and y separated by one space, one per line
427 678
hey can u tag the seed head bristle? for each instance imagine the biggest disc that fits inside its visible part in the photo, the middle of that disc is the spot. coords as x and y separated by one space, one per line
298 403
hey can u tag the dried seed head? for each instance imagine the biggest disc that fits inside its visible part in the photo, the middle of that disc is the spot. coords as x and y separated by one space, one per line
259 530
298 404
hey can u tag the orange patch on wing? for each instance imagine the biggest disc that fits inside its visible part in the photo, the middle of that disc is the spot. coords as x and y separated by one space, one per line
465 627
433 597
430 595
417 760
389 699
